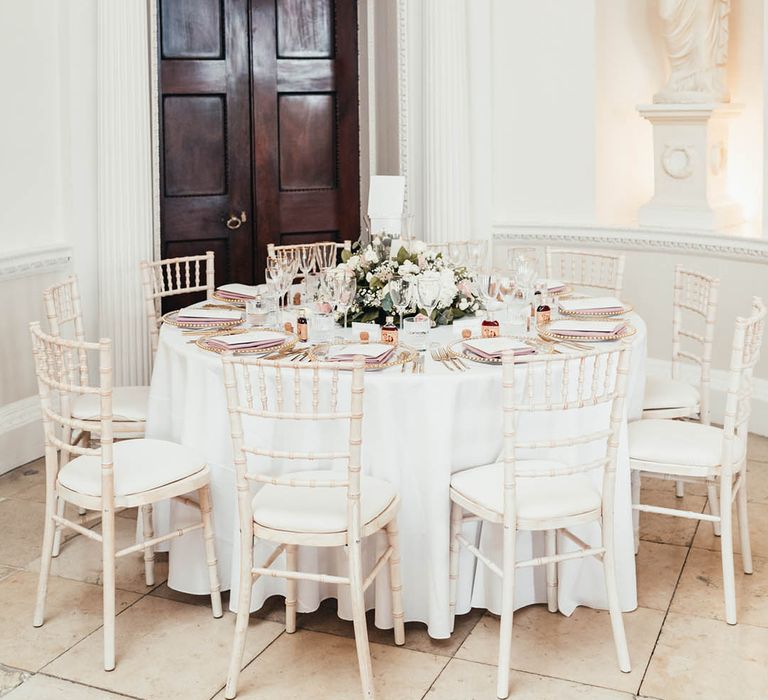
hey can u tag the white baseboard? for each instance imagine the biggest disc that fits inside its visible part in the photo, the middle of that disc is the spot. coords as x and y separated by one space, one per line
21 433
759 419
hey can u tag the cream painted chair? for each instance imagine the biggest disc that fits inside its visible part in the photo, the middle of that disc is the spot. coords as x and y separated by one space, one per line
692 452
171 277
112 476
318 508
593 270
129 403
324 252
694 302
537 492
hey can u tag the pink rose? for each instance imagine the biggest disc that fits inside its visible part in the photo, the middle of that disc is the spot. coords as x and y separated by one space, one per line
465 288
422 262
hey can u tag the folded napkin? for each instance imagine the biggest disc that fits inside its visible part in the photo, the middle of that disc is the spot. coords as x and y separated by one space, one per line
237 291
374 353
254 339
193 314
555 286
586 327
492 348
592 305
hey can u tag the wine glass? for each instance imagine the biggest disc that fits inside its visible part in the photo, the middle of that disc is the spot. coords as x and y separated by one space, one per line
428 288
344 291
486 286
400 291
306 258
457 252
476 251
522 264
274 275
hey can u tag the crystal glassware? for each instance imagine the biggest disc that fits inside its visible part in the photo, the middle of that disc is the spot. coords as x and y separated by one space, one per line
400 291
428 289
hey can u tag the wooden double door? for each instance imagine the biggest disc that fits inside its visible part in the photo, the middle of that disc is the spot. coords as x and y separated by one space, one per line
258 128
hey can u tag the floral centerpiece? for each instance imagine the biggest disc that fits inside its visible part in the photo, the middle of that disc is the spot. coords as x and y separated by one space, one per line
374 267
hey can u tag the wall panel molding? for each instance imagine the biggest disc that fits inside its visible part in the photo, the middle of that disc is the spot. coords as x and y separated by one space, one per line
690 242
34 261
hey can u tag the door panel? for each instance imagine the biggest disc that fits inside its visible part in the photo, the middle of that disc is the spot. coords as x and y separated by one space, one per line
305 123
205 133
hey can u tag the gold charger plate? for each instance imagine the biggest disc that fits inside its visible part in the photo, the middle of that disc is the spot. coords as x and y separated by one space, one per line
403 354
229 300
170 319
597 314
290 340
543 331
465 354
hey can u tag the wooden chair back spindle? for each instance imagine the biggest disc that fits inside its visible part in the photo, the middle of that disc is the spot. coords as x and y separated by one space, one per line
580 268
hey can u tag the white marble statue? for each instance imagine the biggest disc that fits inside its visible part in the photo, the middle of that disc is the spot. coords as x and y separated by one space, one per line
696 37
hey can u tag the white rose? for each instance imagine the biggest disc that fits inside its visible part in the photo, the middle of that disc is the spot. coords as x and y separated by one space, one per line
370 255
408 268
463 304
354 261
447 288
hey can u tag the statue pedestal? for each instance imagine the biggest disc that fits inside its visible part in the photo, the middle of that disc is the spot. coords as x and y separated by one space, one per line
690 160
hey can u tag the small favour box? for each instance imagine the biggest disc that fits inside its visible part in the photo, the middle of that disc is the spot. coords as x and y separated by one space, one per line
372 329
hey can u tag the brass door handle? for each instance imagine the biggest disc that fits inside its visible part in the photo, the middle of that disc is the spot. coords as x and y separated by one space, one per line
235 222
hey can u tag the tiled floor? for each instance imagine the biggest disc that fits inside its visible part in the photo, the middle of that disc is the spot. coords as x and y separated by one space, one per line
169 646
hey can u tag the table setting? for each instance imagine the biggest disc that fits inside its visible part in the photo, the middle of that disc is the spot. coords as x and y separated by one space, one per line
432 333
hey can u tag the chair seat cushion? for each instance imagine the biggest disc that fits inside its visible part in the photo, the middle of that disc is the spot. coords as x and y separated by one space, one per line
140 465
676 442
318 509
664 392
538 498
129 403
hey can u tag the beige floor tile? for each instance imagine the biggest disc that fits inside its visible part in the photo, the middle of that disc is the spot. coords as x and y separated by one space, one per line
326 619
315 665
692 489
40 687
466 680
6 571
162 591
73 611
757 482
757 447
658 567
700 591
80 559
665 528
577 648
165 650
21 525
758 527
700 658
23 479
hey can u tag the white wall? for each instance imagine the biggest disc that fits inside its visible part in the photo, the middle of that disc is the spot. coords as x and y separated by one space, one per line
47 189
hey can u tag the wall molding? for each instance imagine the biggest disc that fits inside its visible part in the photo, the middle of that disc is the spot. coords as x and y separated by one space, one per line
34 261
19 413
651 240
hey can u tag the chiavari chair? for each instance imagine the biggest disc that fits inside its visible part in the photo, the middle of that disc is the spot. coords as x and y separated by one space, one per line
594 270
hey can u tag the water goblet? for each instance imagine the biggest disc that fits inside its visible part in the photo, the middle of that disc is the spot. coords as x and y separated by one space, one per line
400 291
428 288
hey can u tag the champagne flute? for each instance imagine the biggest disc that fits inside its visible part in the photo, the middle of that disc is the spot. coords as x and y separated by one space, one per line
428 288
274 276
400 291
345 289
306 263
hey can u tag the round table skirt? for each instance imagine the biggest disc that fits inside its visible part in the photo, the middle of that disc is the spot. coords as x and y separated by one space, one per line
417 431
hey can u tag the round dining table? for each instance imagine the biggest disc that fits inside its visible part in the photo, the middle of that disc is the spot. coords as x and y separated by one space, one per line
418 430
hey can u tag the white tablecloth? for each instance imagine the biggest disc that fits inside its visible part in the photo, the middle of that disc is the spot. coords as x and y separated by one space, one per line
417 431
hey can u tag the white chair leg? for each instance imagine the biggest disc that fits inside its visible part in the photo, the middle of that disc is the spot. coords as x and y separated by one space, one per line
453 575
726 550
292 585
149 551
617 621
679 489
743 516
45 562
241 622
358 618
635 484
550 550
714 505
395 582
204 495
507 612
60 505
108 576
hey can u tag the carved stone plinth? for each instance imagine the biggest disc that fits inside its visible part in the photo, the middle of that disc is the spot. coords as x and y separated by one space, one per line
690 162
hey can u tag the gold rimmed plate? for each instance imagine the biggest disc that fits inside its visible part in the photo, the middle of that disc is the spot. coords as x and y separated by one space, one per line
457 349
230 300
599 313
289 340
402 355
170 319
545 332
